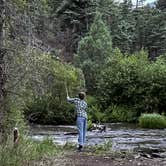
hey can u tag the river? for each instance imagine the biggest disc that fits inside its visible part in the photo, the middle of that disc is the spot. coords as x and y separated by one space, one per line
123 136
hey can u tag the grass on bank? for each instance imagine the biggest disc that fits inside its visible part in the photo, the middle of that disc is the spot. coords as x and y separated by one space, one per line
153 121
29 152
26 151
97 149
102 149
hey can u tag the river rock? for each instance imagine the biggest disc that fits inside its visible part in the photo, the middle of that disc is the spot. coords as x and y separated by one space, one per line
99 127
146 155
163 155
156 155
137 156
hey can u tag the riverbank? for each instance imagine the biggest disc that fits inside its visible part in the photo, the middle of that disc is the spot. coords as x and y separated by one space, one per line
72 158
122 136
146 147
47 153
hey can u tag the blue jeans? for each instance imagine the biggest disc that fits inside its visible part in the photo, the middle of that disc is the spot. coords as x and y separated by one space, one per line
82 127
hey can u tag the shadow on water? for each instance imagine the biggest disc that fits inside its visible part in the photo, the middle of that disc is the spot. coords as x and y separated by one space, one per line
124 136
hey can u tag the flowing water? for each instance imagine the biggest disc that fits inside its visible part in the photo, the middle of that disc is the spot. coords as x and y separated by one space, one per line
122 136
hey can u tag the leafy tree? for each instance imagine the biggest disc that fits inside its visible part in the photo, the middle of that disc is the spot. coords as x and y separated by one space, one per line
133 81
93 51
44 93
16 46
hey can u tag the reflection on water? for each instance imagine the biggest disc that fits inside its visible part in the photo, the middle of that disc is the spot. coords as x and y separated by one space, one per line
123 136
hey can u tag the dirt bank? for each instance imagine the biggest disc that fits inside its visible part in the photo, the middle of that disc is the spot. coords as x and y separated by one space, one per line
86 159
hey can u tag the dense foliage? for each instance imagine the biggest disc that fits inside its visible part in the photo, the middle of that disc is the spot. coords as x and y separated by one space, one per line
38 37
64 23
45 100
115 51
134 81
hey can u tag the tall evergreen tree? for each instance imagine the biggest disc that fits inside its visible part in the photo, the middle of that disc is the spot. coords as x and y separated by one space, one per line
122 26
73 19
93 52
155 32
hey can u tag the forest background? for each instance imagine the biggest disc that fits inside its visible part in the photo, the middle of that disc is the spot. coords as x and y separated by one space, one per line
114 51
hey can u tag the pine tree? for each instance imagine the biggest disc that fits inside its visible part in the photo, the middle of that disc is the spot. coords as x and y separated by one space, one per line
156 38
122 27
94 51
72 19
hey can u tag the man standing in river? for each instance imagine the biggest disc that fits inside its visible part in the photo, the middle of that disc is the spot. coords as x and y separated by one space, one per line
81 110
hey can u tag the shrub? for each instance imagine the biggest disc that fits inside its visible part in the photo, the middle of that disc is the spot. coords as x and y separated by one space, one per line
133 81
152 121
47 110
113 113
95 115
90 124
120 114
45 101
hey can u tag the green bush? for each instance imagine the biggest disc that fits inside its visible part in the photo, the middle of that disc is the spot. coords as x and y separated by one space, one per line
47 110
95 115
120 114
113 113
40 93
90 124
46 103
133 81
152 121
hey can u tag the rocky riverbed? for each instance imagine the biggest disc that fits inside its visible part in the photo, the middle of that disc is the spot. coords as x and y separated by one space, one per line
124 137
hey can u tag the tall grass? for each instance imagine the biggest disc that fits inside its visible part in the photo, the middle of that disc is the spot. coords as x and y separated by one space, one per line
152 121
25 152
